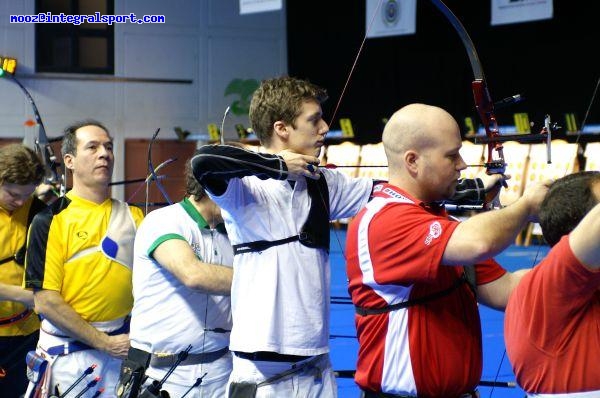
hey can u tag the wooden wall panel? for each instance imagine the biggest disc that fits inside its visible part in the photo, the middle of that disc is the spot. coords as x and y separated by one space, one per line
172 175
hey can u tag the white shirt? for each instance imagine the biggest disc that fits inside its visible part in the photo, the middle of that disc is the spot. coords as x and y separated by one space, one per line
280 297
167 316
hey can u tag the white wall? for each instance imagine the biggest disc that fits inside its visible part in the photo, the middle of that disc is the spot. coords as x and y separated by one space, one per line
205 41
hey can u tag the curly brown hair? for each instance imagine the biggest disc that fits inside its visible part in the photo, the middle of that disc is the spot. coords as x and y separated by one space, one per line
20 165
192 186
280 99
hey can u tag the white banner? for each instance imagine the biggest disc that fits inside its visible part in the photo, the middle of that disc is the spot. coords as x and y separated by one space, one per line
393 18
252 6
514 11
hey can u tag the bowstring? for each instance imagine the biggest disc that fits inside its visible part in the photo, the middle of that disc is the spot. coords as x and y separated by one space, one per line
360 48
337 106
587 112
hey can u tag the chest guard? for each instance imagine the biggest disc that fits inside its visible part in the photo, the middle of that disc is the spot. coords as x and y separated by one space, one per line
315 231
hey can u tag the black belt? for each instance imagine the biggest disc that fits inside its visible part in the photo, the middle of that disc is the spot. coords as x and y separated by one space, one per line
269 356
168 360
373 394
15 318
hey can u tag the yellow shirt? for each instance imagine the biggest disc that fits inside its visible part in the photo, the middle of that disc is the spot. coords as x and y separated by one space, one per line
96 287
13 232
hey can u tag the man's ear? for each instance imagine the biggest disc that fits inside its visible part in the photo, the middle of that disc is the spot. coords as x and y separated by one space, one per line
411 159
68 161
281 130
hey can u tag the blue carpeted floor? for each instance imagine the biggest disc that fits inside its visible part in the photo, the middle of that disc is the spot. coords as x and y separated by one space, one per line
495 367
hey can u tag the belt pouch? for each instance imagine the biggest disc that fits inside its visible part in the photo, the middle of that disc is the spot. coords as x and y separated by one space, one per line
242 390
36 366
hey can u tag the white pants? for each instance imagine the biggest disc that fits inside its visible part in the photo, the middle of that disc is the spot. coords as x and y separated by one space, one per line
315 381
66 369
213 384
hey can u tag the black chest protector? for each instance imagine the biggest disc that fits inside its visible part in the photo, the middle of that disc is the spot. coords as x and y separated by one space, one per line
315 231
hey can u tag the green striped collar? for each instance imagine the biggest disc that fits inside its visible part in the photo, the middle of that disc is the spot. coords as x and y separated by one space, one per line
191 210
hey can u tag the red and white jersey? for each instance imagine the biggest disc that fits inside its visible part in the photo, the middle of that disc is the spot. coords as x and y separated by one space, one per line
394 251
552 326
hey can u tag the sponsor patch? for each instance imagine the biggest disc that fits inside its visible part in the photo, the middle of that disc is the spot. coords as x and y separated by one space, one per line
435 231
391 193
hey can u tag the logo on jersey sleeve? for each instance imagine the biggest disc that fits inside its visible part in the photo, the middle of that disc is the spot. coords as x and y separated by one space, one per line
435 231
197 248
